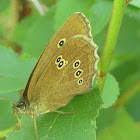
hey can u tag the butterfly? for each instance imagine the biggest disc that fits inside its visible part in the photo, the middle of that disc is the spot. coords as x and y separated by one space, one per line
66 68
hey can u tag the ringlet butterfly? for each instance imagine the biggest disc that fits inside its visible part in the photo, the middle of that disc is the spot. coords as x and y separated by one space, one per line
66 67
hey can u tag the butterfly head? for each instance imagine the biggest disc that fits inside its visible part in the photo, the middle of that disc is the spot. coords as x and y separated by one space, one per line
24 108
20 108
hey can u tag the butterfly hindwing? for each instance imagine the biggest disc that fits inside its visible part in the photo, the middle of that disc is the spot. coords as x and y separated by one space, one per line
58 85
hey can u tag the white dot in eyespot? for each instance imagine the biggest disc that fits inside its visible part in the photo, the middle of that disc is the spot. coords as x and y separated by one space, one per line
76 64
61 43
80 81
78 73
58 59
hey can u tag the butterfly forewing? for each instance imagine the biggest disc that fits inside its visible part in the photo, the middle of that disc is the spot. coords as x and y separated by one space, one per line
75 25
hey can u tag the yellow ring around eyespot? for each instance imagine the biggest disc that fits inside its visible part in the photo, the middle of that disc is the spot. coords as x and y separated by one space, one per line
64 63
78 75
57 58
78 65
63 39
81 82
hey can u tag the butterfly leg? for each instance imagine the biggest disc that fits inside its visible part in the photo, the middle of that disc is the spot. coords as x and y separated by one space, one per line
64 112
18 125
35 126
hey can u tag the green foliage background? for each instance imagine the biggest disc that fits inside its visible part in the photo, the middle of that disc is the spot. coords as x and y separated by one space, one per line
21 43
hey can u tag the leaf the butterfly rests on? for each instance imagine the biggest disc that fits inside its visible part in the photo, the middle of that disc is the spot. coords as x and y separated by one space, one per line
66 68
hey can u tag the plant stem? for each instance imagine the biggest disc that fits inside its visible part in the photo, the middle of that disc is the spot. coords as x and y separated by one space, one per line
128 94
111 39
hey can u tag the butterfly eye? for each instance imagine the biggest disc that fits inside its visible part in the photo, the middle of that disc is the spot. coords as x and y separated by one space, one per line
76 64
60 64
80 81
78 73
58 59
61 43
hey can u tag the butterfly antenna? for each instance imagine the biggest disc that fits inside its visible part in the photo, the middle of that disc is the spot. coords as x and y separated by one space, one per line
8 99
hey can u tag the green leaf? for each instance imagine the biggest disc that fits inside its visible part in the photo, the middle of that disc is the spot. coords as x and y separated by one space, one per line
80 125
6 115
129 80
119 60
123 129
98 9
8 84
127 73
132 106
10 95
19 34
128 40
110 91
105 120
49 3
7 120
135 3
14 70
92 9
4 4
34 33
133 12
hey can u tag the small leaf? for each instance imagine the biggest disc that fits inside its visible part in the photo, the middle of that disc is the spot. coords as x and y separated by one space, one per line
135 3
110 91
81 125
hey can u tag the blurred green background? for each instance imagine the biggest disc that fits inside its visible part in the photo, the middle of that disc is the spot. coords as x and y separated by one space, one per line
26 28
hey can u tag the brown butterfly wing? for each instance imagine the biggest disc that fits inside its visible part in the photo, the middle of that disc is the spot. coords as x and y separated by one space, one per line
75 25
56 87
